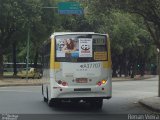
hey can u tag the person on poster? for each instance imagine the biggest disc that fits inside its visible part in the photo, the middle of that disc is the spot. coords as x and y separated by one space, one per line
68 46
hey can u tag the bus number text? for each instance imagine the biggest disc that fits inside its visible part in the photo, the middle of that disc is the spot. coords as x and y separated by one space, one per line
93 65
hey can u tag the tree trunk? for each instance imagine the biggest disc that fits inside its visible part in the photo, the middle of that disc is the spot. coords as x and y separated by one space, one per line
142 68
158 74
125 66
14 60
121 66
1 62
114 74
132 72
36 59
114 65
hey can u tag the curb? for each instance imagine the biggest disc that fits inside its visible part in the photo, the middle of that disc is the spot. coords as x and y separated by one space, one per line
132 79
150 107
10 85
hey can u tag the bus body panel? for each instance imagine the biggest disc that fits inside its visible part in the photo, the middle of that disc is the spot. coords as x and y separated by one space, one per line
72 73
69 72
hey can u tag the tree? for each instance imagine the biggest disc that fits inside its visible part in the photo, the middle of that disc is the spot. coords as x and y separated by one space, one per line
15 15
126 31
7 27
150 11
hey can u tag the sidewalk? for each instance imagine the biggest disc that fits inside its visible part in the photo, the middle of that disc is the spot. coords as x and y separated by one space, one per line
152 103
137 77
32 82
19 82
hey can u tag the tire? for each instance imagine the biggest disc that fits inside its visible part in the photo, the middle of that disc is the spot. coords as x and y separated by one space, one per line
42 90
96 104
54 103
45 99
33 77
50 103
74 102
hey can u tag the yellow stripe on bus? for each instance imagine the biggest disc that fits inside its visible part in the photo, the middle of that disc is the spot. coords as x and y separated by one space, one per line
52 53
57 65
108 64
53 64
109 52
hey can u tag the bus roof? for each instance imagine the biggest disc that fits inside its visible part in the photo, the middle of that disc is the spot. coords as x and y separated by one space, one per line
64 33
67 33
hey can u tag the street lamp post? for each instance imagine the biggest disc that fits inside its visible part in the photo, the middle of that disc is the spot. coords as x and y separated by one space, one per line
28 40
158 70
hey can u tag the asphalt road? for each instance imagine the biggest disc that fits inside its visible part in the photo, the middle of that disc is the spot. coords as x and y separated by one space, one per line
28 100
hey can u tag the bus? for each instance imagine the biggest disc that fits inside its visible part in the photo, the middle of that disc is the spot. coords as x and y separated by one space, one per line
76 68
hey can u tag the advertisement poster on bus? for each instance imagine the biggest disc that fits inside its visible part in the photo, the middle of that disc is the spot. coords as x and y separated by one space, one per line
85 47
67 48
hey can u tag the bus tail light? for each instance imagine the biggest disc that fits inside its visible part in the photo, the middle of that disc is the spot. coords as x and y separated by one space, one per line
63 83
101 82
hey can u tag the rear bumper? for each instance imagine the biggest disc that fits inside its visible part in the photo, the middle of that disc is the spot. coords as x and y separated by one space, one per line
90 92
83 98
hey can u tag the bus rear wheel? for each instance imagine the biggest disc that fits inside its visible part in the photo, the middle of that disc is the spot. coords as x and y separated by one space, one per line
96 104
45 99
54 102
50 103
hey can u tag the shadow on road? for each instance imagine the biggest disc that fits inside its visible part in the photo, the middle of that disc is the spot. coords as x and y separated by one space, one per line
75 107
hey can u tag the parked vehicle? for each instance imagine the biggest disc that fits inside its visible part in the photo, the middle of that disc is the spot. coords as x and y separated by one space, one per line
32 73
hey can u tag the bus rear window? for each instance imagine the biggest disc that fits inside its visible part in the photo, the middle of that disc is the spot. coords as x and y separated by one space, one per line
81 48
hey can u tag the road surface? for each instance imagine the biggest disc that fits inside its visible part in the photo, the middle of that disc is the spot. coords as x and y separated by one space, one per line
28 100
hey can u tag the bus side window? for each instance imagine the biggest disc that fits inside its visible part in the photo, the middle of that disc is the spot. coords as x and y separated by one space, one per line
46 55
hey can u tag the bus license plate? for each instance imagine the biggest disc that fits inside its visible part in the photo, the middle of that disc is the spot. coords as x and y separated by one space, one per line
81 80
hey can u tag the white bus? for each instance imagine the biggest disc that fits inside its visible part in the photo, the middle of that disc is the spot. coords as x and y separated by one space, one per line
77 67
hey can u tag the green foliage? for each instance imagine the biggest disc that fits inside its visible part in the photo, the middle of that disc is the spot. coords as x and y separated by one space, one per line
130 38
